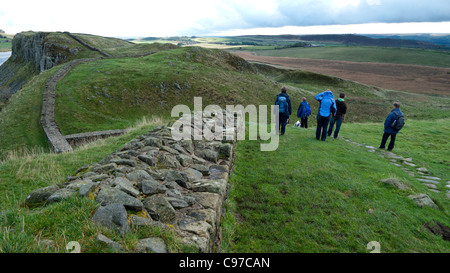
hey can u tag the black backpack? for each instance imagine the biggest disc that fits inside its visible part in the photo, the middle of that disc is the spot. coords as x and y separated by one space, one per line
399 122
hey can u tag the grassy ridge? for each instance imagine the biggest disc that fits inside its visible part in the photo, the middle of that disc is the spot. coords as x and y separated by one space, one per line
100 97
20 119
314 196
366 54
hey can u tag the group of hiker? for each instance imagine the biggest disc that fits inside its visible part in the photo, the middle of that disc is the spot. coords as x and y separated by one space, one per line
332 112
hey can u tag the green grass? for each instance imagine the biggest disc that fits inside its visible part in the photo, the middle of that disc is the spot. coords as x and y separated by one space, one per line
4 47
366 54
314 196
423 140
100 97
20 119
102 42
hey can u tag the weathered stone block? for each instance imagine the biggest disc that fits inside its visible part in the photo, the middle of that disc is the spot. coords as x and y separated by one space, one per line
112 216
159 209
108 195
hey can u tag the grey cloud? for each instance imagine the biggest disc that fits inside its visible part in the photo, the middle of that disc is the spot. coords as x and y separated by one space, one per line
323 12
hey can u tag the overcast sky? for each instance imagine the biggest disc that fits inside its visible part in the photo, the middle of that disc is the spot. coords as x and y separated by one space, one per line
140 18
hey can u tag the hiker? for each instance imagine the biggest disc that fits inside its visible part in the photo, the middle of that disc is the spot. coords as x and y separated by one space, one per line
326 109
393 123
339 117
284 102
303 112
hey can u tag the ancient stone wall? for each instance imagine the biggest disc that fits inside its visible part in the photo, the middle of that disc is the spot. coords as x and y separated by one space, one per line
76 38
157 180
57 141
82 138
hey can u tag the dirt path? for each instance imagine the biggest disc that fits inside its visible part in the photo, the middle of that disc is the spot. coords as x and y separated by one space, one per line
411 78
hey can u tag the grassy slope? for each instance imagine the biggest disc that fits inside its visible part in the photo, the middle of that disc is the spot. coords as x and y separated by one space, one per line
366 54
101 98
366 103
314 196
154 84
20 119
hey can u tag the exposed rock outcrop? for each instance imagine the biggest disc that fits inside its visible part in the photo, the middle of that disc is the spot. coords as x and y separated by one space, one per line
34 48
34 52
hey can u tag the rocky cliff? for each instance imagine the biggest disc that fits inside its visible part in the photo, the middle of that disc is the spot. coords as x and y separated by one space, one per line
41 52
34 52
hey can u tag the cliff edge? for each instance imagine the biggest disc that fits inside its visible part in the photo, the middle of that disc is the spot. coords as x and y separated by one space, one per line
35 52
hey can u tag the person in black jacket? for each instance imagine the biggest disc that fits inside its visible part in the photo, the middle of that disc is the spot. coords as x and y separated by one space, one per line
339 117
284 102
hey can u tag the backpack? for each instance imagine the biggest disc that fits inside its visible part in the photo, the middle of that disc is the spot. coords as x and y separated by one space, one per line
399 122
332 110
283 105
305 110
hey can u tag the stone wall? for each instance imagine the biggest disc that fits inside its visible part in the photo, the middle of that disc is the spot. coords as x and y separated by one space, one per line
76 38
82 138
57 141
160 181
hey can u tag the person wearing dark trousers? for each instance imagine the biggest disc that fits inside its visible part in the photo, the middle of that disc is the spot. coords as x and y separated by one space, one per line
285 109
339 117
326 109
303 112
389 131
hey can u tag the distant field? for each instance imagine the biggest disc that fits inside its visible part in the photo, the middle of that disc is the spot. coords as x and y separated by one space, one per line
5 46
365 54
403 77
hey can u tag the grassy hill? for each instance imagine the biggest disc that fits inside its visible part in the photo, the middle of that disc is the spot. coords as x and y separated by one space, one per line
101 98
154 84
313 196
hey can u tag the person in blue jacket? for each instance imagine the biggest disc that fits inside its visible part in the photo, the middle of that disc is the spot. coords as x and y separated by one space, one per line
303 112
326 109
285 109
388 130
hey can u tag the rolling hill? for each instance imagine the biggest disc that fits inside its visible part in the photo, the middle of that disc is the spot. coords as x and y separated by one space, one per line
308 197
